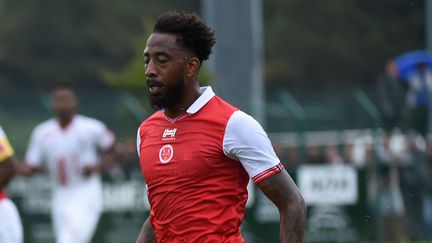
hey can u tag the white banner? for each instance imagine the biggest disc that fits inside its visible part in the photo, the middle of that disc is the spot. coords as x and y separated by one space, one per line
328 184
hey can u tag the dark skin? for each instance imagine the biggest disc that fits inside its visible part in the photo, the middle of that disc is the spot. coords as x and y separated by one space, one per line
283 192
168 62
65 104
7 171
165 61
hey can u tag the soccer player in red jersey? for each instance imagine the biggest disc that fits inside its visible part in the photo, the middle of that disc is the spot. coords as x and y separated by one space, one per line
197 152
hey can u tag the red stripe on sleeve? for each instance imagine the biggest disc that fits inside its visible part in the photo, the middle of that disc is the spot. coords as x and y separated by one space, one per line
267 173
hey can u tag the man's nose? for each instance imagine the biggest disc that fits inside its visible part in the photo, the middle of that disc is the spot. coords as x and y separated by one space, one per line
150 71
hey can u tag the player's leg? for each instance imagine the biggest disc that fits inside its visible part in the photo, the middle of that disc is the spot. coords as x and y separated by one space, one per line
77 224
57 215
11 230
64 229
89 224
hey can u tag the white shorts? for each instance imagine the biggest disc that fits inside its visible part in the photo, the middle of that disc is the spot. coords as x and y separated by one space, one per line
75 221
11 230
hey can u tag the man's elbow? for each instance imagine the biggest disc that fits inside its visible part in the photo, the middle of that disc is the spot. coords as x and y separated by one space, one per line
303 205
297 206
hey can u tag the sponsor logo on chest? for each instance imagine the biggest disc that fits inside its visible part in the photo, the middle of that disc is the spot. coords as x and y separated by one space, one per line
169 134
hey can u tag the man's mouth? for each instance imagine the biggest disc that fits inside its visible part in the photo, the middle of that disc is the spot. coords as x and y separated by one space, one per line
155 87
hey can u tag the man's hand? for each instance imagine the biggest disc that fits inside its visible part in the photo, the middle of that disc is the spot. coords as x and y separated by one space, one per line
147 234
22 168
90 169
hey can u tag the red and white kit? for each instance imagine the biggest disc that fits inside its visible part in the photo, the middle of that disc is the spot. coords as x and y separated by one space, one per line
77 199
11 230
197 168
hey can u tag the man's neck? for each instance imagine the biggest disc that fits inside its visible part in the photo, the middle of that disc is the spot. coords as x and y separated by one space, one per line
182 107
65 121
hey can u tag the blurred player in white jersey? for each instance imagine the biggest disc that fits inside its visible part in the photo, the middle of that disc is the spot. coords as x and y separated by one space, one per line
10 224
74 149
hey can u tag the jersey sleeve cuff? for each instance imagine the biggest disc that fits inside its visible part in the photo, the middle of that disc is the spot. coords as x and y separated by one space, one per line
267 173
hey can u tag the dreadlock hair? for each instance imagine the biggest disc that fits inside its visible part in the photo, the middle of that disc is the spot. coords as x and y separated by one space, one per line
191 31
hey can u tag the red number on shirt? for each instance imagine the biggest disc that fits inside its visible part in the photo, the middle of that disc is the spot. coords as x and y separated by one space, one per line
61 172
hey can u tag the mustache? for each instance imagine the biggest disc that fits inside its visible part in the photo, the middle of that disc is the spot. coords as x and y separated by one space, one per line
154 82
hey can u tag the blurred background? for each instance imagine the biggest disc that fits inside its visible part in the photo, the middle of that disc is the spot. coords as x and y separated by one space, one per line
342 88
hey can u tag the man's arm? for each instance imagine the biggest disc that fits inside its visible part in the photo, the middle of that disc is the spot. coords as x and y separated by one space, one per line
24 169
6 171
147 234
108 158
283 192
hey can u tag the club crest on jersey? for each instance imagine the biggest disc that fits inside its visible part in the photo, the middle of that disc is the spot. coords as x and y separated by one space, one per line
166 153
169 134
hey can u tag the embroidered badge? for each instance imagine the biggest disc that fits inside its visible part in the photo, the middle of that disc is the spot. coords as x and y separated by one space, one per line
166 153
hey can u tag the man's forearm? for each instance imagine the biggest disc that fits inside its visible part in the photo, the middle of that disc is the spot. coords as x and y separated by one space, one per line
283 192
108 158
6 172
292 222
22 168
147 234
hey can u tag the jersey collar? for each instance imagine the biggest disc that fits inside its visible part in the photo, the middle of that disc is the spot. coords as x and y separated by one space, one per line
206 95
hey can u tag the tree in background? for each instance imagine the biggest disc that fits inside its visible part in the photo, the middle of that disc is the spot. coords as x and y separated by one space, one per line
41 41
306 42
337 42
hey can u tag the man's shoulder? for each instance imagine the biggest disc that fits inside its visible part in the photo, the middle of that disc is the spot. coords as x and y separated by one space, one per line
152 118
241 118
233 113
225 106
45 125
217 109
42 129
88 121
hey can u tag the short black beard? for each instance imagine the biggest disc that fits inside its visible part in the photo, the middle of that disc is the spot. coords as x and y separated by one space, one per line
173 96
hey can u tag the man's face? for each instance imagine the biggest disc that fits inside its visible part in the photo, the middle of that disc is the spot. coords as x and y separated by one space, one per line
64 102
392 69
165 64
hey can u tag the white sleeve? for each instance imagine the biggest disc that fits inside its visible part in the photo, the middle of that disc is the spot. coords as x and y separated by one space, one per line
245 140
138 142
104 138
35 155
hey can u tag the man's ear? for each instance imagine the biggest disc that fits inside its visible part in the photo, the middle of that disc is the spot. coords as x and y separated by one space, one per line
193 67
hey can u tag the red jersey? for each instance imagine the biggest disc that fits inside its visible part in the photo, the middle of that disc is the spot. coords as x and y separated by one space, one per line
197 168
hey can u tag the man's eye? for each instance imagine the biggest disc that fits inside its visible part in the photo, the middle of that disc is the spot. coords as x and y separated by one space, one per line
162 60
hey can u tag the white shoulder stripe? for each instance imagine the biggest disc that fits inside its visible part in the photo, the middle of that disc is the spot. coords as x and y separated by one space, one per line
138 142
